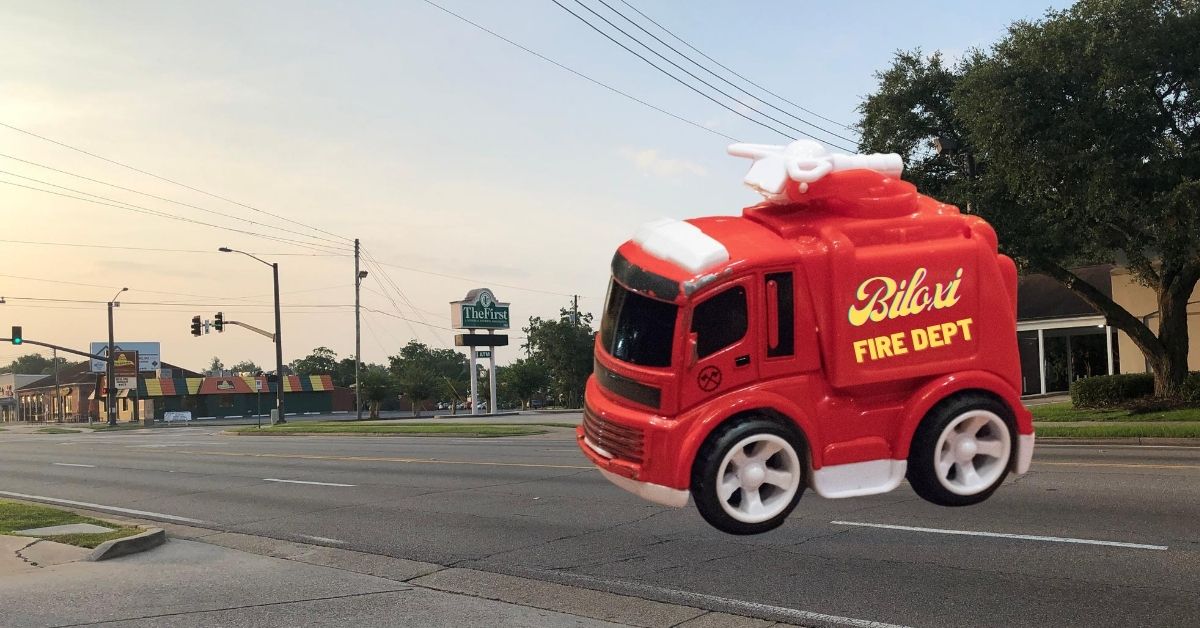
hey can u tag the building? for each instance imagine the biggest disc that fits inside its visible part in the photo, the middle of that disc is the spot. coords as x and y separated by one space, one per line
74 398
1142 302
10 383
236 395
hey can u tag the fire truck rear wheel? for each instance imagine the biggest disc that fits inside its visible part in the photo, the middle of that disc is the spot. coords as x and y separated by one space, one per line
748 476
962 450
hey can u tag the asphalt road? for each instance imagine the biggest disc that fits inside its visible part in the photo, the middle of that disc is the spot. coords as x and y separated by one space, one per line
1093 536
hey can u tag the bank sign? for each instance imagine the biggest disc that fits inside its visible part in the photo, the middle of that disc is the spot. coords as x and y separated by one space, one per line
479 310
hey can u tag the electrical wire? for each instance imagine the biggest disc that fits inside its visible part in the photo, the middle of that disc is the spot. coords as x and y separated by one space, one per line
161 178
732 71
580 74
472 280
163 250
169 200
143 210
718 76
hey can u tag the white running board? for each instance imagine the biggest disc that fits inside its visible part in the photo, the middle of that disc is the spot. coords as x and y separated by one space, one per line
858 478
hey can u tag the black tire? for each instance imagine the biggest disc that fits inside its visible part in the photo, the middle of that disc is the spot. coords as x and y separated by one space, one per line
954 487
710 459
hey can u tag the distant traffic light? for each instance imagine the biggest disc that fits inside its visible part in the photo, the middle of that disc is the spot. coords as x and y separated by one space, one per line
219 321
17 337
195 325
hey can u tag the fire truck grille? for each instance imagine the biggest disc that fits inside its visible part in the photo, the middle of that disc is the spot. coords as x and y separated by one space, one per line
622 442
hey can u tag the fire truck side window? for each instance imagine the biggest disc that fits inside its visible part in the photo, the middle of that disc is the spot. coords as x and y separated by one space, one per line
720 321
784 345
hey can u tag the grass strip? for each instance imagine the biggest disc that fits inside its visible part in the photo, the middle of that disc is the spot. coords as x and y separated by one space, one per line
1121 430
57 430
21 516
1056 412
468 430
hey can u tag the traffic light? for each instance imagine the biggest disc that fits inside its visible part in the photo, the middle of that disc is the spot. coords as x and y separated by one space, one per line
219 321
17 338
195 325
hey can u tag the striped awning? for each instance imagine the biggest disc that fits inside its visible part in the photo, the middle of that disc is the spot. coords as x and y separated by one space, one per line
180 386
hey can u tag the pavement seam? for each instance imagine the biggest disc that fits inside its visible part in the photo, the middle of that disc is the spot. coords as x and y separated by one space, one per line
23 558
234 608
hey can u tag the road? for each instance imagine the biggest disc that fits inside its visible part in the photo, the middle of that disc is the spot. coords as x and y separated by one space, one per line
1096 536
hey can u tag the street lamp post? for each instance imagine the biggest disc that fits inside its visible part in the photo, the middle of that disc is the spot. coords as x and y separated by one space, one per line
111 380
278 333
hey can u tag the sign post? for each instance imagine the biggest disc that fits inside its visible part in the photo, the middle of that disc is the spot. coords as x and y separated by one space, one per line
481 310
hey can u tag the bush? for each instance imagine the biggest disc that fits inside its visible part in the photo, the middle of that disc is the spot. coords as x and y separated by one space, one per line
1110 390
1190 391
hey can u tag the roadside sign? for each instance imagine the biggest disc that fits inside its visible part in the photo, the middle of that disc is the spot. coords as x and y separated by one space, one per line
479 310
125 382
125 363
171 417
148 354
481 340
483 354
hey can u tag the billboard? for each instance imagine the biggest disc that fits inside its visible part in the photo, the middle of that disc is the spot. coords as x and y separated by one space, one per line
148 354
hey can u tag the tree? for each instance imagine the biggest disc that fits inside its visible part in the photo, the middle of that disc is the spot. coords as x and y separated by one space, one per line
343 373
216 366
321 361
33 364
378 385
564 349
1084 129
523 380
246 366
425 373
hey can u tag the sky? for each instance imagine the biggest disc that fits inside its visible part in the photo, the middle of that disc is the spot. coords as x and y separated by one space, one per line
459 160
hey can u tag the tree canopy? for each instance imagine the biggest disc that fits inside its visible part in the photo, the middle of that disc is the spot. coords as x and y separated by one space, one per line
33 364
564 349
1077 137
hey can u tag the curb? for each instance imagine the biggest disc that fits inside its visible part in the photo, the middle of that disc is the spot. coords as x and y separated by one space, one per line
1128 440
147 540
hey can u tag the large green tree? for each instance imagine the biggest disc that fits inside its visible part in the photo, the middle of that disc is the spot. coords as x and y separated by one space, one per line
1077 137
564 348
33 364
322 361
425 373
378 386
523 380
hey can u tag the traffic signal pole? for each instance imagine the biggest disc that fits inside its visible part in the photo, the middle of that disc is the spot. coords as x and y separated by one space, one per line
110 380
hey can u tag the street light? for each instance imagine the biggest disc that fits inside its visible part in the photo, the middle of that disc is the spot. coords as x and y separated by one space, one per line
278 331
112 384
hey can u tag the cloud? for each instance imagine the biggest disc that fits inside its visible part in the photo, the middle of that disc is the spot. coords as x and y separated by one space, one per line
650 162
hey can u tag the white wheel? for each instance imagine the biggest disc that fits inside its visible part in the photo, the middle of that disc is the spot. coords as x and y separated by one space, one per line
758 478
972 452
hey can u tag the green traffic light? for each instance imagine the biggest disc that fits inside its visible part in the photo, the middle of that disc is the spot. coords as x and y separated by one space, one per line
17 336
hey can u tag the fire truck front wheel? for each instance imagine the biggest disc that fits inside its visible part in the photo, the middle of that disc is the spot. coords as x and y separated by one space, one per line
748 476
962 450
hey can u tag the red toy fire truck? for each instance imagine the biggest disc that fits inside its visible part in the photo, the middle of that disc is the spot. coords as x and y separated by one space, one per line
844 334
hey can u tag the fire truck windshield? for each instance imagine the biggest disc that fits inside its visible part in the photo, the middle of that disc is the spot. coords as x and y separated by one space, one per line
637 329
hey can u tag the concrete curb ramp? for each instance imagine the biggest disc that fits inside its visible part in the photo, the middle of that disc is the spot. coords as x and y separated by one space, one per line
147 540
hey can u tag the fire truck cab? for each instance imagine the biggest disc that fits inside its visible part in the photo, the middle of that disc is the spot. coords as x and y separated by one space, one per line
844 334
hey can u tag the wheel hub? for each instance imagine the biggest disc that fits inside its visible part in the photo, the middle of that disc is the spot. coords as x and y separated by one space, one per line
753 475
965 449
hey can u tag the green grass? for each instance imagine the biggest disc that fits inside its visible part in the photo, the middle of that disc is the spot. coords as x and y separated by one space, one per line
1121 430
20 516
57 430
1056 412
469 430
120 427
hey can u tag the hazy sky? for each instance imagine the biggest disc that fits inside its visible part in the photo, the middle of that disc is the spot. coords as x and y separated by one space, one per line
443 148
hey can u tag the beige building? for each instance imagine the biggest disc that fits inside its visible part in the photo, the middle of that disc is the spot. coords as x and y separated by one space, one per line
1143 303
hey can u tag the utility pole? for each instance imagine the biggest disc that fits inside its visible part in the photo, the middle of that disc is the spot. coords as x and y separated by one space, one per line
357 334
112 384
575 310
57 395
278 347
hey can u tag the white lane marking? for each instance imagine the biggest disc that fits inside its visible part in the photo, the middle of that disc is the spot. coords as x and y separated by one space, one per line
127 511
774 611
303 482
1003 535
323 539
69 464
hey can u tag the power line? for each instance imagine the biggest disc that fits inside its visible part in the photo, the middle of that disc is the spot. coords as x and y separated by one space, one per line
461 278
580 74
681 81
370 259
726 81
161 178
162 250
173 303
732 71
169 200
152 212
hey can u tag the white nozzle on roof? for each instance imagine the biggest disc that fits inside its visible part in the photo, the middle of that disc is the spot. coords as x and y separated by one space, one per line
804 161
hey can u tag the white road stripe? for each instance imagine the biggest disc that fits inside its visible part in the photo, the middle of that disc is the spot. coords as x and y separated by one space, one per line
68 464
1003 535
303 482
323 539
793 614
127 511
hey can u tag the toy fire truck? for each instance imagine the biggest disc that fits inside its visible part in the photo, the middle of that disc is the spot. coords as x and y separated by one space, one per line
844 334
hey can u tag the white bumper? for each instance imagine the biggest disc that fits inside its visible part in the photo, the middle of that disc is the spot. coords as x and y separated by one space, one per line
1024 453
656 493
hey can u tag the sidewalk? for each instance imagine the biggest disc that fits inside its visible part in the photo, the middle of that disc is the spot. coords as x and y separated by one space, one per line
226 579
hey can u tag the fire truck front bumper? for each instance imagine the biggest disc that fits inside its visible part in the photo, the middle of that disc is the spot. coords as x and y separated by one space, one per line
623 474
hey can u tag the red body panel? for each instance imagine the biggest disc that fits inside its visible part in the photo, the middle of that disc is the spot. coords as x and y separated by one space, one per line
897 302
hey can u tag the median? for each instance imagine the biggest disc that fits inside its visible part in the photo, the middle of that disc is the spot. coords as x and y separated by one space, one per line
59 526
1065 420
464 430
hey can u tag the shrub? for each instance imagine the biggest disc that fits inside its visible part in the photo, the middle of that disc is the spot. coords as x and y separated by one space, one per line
1190 391
1110 390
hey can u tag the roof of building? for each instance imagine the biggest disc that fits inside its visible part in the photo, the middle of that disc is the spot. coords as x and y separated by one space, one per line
81 373
1042 297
